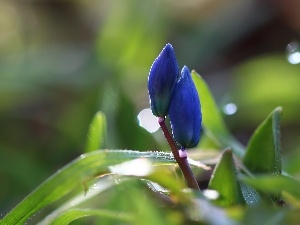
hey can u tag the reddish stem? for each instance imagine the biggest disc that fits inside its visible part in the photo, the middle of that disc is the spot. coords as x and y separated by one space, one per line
182 161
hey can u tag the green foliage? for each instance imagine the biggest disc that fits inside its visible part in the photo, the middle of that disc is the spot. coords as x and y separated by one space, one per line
265 142
63 61
96 133
276 184
136 187
212 119
73 214
224 181
75 173
213 124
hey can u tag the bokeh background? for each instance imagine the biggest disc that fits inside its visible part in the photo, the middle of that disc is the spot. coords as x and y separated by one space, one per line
61 61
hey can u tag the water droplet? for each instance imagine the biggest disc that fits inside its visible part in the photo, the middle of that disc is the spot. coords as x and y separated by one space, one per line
293 52
147 120
82 156
230 108
211 194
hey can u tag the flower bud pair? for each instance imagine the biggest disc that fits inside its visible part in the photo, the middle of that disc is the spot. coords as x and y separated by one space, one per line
175 96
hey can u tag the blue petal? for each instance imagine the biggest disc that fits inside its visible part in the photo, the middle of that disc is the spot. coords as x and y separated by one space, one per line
185 111
162 79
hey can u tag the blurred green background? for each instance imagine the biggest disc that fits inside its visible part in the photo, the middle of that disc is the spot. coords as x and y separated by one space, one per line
61 61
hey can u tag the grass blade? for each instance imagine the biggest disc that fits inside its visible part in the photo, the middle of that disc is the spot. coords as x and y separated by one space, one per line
73 174
96 132
73 214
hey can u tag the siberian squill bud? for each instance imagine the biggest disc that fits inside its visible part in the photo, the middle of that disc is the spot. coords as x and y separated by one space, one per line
185 111
162 79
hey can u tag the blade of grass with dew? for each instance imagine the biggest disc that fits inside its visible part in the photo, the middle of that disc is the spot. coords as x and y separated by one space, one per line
100 185
73 174
122 172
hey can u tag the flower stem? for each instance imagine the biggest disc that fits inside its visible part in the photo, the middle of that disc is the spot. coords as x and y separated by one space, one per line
182 161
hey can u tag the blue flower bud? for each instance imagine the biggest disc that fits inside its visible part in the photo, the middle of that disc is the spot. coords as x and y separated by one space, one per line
162 79
185 111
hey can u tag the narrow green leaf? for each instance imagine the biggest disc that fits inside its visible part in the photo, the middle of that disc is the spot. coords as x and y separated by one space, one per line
73 175
275 184
224 181
251 196
263 153
73 214
213 122
97 187
162 175
96 132
211 115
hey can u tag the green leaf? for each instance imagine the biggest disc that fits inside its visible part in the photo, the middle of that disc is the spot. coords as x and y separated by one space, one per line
73 175
265 214
73 214
96 132
263 153
213 122
97 187
123 209
251 196
275 184
211 115
224 181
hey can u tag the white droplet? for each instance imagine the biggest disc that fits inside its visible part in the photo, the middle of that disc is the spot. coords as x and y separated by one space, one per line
293 52
147 120
135 167
230 109
294 58
211 194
